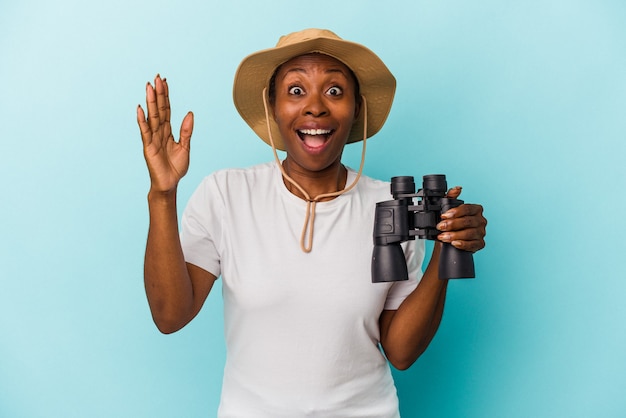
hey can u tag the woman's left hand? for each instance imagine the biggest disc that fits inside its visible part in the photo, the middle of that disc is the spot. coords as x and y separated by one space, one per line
464 226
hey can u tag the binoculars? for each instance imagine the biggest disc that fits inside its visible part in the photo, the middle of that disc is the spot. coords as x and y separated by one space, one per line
410 215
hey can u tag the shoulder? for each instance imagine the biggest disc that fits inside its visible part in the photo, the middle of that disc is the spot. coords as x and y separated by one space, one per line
233 179
374 188
258 171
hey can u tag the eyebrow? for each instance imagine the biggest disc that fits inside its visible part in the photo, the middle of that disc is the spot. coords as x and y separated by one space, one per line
328 71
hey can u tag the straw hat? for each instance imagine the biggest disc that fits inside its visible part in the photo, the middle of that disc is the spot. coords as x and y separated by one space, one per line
376 82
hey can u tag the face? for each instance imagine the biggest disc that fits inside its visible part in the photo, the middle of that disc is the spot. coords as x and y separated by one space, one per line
314 107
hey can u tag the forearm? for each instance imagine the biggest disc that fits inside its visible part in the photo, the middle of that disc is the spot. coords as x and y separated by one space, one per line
412 327
168 285
407 332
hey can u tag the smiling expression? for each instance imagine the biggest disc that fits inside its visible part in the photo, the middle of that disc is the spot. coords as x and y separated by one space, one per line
314 105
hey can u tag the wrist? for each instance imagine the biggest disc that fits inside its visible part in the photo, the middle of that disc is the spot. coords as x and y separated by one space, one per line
161 197
432 269
436 251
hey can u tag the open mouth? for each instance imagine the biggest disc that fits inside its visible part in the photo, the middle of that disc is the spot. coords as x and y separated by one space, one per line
314 138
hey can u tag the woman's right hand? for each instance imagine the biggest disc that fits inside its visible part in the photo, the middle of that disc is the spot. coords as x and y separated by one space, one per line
167 159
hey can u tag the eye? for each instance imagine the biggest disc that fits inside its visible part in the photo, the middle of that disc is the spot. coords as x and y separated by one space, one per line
334 91
296 90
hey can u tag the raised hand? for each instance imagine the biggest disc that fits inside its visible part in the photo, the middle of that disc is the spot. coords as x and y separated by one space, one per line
167 159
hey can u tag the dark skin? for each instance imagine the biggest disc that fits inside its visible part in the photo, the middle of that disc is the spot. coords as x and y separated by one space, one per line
175 289
314 107
315 93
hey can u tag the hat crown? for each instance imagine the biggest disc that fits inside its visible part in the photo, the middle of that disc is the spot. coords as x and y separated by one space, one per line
305 35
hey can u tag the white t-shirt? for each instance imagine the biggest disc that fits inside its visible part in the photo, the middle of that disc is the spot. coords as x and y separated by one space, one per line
301 328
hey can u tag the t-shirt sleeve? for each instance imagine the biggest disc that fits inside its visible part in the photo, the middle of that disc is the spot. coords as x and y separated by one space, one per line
201 227
414 254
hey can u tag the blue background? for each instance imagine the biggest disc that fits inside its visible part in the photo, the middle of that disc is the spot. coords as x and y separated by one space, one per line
522 103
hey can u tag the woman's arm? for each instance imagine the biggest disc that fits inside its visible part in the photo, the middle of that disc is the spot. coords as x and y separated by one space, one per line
406 332
175 290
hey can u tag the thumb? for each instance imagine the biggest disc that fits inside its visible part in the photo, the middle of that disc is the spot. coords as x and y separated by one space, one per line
454 192
186 129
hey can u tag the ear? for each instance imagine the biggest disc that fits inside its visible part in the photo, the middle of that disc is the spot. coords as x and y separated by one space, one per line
270 107
357 107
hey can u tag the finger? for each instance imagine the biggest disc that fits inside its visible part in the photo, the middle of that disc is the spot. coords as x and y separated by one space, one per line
151 103
161 99
469 240
167 101
469 234
466 209
472 246
166 132
146 134
465 222
166 118
186 129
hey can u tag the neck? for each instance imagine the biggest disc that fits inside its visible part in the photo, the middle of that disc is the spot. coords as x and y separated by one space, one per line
315 183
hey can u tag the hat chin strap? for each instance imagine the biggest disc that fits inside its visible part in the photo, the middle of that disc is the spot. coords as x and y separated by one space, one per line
307 244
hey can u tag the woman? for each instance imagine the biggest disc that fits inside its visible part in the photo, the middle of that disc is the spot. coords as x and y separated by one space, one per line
304 325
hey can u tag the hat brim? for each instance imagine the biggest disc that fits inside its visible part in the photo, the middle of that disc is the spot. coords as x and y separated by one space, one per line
375 80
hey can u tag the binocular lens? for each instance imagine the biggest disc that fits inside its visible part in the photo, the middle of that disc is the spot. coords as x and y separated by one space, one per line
435 183
402 185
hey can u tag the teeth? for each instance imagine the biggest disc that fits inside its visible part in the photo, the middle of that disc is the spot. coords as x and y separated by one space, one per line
315 131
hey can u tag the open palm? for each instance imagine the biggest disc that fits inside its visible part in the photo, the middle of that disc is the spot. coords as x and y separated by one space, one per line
167 159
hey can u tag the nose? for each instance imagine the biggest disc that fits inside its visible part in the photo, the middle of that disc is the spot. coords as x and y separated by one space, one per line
315 106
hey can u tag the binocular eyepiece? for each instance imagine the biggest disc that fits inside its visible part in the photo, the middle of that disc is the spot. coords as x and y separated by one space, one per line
404 218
